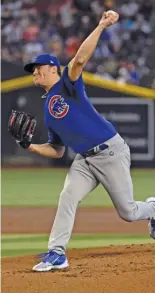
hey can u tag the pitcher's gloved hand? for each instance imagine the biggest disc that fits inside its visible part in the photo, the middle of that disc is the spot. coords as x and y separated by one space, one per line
22 126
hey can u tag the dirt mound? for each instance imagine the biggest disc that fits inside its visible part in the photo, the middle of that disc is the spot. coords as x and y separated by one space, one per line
126 269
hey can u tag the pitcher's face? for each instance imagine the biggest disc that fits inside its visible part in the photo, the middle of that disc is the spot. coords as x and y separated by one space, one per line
43 74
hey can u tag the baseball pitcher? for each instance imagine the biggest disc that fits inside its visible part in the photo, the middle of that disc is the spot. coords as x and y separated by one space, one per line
103 157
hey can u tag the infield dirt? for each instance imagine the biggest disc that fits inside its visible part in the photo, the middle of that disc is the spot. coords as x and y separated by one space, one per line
88 220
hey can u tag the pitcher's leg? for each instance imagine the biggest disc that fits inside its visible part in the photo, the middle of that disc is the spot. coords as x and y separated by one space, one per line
121 193
128 209
114 173
79 182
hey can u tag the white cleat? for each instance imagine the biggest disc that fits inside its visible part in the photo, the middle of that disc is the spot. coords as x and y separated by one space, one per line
52 261
151 222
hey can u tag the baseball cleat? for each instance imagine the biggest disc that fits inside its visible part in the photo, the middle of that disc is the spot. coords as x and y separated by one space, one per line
51 261
151 223
151 227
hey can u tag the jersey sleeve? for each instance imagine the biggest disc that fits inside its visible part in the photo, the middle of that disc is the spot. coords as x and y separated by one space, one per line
74 89
54 138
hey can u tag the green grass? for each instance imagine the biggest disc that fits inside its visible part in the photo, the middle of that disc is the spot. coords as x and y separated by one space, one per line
13 245
41 187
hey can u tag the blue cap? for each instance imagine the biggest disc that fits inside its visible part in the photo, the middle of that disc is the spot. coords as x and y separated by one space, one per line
43 59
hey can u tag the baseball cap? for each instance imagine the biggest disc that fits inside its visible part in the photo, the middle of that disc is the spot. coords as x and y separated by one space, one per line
43 59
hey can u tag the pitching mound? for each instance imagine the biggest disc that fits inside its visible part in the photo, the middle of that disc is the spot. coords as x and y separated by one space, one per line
127 269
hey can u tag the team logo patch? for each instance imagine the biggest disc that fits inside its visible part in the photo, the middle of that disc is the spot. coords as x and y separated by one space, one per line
58 108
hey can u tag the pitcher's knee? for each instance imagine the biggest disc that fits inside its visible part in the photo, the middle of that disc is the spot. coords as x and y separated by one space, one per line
128 214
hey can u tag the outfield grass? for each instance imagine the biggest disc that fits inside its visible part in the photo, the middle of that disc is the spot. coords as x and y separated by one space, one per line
41 187
13 245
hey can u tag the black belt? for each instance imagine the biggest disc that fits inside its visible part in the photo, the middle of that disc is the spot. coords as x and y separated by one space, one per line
95 150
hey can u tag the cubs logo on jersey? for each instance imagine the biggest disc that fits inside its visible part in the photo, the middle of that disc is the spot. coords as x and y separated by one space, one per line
58 108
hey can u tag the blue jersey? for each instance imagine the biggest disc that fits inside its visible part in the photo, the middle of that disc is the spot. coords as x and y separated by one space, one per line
71 118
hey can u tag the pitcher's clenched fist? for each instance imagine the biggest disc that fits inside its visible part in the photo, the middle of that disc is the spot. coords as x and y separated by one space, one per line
108 18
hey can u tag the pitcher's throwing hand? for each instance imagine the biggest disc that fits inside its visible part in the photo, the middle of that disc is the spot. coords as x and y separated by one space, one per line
108 18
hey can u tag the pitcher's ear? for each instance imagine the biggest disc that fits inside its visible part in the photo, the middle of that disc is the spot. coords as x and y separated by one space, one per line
53 69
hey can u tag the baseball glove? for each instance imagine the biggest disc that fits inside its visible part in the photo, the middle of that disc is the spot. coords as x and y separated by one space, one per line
22 126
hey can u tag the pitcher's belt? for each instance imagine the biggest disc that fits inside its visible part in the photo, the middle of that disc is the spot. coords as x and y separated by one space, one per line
95 150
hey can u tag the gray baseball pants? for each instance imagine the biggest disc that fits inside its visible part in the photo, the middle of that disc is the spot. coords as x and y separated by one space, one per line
111 168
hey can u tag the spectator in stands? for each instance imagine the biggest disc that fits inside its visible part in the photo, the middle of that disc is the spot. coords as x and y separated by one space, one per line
30 27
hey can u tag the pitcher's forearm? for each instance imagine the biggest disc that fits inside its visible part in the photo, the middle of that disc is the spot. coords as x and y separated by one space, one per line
88 47
47 150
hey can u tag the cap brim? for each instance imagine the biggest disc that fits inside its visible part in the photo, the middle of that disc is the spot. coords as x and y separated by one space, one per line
29 67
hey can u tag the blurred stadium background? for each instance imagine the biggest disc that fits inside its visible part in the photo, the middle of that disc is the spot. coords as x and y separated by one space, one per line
120 80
